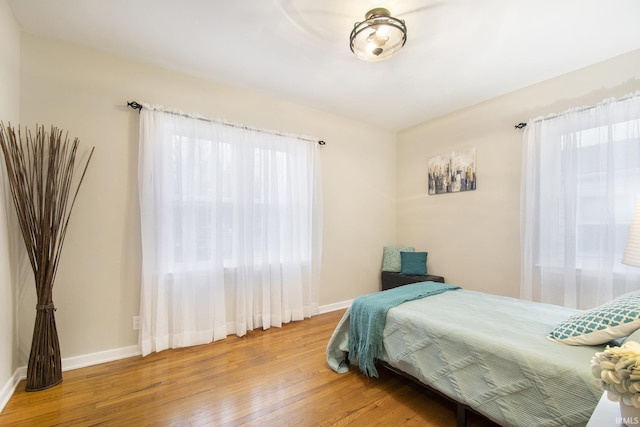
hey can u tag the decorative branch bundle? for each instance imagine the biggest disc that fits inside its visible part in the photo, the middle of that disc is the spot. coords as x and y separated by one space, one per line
40 171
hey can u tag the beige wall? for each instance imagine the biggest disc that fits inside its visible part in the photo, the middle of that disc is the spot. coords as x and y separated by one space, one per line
9 110
473 238
85 92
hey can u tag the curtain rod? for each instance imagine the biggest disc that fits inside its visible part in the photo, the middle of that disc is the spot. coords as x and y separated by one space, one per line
137 106
522 125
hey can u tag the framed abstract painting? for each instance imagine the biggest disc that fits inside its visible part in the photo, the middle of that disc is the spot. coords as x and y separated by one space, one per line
454 172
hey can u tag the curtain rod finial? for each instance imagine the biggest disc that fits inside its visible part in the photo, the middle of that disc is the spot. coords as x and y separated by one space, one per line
134 105
520 125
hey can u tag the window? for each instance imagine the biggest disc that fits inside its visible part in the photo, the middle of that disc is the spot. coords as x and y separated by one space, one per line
231 229
581 178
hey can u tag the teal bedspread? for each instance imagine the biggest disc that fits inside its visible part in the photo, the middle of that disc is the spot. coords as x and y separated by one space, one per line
368 316
487 352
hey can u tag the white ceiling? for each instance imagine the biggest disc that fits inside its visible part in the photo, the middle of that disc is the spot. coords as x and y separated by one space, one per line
458 52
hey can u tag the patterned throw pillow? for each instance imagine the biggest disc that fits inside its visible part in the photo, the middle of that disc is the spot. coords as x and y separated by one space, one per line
615 319
391 258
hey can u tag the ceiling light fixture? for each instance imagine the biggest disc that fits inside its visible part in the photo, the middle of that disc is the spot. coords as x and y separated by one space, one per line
379 37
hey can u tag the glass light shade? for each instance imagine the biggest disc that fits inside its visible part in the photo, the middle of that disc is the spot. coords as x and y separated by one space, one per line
632 251
379 37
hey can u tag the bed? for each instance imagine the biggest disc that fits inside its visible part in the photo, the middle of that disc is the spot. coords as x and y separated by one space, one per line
488 353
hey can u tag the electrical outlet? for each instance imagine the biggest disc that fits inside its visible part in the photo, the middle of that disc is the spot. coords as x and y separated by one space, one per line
136 323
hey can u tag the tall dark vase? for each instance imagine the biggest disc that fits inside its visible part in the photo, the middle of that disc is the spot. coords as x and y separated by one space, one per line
40 170
45 366
44 369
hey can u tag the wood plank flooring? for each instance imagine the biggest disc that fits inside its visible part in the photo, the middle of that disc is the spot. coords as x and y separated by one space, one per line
277 377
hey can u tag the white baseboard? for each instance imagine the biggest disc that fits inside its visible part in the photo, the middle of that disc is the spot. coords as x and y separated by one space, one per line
85 360
91 359
10 387
335 306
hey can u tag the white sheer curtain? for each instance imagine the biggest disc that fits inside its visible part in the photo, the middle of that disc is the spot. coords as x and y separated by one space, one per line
580 179
231 229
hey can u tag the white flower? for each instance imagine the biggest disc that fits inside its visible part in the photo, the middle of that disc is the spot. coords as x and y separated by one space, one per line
618 372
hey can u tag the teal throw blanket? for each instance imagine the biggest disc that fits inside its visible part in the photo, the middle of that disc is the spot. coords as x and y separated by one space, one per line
368 315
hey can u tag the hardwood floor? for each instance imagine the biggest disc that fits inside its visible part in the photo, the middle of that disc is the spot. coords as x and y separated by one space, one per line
277 377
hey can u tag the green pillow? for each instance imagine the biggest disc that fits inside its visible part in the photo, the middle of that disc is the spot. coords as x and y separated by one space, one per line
615 319
413 263
391 258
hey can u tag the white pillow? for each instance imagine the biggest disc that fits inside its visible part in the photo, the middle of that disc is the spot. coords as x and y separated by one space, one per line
615 319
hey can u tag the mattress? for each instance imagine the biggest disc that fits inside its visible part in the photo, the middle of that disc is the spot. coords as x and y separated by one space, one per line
490 353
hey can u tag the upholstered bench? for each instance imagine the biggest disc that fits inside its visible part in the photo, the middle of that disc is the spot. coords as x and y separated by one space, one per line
393 280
